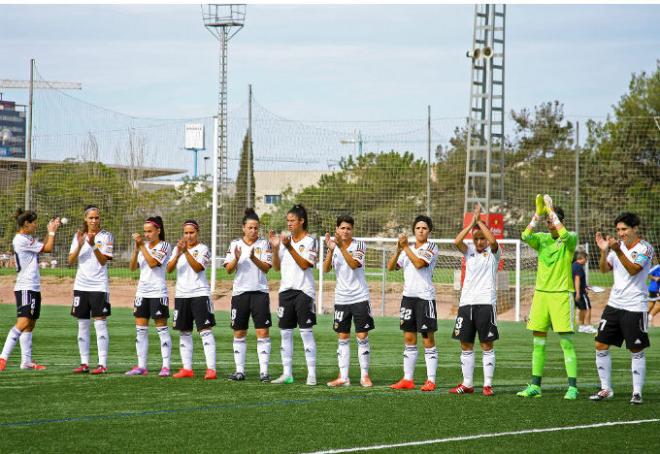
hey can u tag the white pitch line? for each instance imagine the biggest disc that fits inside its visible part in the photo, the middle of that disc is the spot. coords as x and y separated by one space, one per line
487 435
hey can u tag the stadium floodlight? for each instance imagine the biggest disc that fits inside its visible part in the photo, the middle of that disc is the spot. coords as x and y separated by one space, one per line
222 21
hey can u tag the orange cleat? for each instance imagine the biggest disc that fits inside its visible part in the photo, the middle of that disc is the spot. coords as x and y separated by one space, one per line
428 386
184 373
82 369
33 366
339 382
3 364
210 374
403 384
366 382
100 370
488 391
462 389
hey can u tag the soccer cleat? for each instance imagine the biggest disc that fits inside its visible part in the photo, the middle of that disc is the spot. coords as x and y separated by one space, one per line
403 384
603 394
530 391
488 391
636 399
184 373
82 369
210 374
3 364
33 366
283 380
571 393
339 382
100 370
264 378
590 329
428 386
237 376
462 389
311 381
365 382
136 371
164 372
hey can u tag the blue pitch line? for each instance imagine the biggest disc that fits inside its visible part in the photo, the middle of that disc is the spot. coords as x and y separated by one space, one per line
128 414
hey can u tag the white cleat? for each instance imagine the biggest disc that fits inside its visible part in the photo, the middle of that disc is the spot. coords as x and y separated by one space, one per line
603 394
283 380
311 381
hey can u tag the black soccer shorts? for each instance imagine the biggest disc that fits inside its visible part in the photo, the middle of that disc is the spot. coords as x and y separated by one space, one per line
28 304
256 304
473 319
96 304
359 312
151 307
418 315
617 325
296 308
198 309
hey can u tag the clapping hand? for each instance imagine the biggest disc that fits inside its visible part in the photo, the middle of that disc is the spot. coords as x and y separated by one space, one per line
329 242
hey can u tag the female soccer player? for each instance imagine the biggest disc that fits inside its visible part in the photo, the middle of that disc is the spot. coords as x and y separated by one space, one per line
296 256
477 311
625 317
91 248
28 285
250 257
417 313
346 256
193 299
151 299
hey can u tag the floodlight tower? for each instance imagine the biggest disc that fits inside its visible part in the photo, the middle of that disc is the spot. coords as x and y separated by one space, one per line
223 22
484 167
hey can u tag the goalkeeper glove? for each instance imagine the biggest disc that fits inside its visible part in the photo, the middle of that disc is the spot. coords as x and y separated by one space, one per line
540 206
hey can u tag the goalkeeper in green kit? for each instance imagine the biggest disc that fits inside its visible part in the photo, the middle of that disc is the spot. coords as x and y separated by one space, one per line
552 305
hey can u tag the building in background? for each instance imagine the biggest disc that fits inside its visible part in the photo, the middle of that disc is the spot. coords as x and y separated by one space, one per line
12 129
269 185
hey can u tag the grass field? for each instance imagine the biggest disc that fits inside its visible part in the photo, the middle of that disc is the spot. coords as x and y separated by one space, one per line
56 411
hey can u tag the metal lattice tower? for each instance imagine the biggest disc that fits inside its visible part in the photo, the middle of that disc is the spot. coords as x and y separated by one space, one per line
484 167
223 21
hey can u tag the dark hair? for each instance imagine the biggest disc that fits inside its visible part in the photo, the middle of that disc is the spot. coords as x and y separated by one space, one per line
159 222
250 215
630 219
191 222
345 218
300 212
422 218
22 216
559 211
85 228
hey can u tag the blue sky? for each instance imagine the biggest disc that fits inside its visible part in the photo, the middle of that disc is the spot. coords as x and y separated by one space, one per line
342 62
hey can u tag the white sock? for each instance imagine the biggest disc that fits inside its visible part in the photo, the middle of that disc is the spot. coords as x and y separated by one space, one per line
467 366
142 345
165 344
431 359
364 356
287 352
208 341
186 349
638 366
604 367
83 340
10 343
488 362
343 357
240 348
263 353
102 341
310 351
26 348
409 361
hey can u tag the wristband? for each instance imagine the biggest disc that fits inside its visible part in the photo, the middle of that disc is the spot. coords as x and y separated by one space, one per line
533 222
51 233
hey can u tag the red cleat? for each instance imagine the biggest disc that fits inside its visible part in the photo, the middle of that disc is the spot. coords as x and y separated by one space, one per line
462 389
210 374
488 391
100 370
428 386
184 373
82 369
3 364
403 384
33 366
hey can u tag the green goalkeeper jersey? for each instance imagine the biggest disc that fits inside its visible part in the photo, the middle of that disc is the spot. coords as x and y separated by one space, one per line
554 272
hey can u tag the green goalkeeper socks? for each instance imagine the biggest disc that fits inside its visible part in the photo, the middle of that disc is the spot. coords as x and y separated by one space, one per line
570 358
538 360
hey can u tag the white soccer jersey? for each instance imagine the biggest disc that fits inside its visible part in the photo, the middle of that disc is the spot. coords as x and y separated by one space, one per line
189 283
351 285
152 280
26 252
418 283
480 284
91 276
249 278
293 277
629 292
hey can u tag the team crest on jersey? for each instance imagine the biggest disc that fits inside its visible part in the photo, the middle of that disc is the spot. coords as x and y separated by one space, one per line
485 253
257 251
301 248
195 254
457 332
633 254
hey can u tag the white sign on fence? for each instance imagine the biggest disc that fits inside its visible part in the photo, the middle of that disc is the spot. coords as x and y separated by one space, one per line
194 136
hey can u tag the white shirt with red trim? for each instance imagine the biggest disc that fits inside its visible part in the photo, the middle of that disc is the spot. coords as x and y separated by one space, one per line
418 283
26 253
152 282
629 292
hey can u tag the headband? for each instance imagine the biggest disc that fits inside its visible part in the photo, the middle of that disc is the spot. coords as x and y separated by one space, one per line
93 207
154 223
194 224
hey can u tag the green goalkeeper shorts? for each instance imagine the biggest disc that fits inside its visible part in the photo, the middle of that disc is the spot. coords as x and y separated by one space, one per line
554 309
